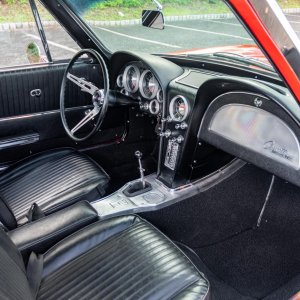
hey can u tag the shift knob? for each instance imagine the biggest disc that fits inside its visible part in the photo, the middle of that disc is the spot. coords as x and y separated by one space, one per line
138 154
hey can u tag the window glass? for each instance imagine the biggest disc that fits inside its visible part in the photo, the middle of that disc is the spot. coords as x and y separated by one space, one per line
191 25
19 38
61 45
17 31
291 9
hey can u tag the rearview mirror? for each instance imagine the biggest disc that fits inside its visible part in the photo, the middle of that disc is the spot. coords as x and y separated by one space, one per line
153 19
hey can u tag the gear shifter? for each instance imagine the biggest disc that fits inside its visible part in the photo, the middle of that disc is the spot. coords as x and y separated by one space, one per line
138 154
138 187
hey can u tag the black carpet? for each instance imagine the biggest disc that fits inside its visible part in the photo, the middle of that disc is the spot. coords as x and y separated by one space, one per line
224 210
220 226
286 291
259 261
219 290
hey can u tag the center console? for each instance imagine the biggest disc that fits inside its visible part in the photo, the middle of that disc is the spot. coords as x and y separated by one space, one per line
120 203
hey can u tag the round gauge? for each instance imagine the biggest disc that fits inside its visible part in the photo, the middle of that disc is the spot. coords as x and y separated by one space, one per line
179 109
159 95
131 78
148 85
154 107
120 81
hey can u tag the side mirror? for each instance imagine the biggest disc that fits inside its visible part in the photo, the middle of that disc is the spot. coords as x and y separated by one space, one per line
153 19
33 53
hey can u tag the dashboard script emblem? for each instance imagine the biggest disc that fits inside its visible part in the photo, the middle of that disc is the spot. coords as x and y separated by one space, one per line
258 102
273 147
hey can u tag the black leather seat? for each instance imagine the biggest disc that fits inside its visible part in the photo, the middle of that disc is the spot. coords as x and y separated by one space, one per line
53 179
120 258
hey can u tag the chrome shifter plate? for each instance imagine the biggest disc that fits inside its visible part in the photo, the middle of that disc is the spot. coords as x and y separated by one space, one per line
171 154
154 197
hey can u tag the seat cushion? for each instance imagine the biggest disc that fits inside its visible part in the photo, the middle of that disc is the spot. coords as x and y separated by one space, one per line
53 180
121 258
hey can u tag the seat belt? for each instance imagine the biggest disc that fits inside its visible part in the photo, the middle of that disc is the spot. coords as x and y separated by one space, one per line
34 213
34 272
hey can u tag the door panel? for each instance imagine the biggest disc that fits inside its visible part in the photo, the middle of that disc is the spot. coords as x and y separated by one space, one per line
17 88
24 112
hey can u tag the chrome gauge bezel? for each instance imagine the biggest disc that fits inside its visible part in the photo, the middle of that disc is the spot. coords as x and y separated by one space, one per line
125 77
120 83
154 107
159 95
141 85
172 108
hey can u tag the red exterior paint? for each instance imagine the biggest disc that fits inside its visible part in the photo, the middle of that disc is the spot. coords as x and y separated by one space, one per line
251 19
251 51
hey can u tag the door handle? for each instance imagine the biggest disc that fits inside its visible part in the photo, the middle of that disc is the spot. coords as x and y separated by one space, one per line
36 93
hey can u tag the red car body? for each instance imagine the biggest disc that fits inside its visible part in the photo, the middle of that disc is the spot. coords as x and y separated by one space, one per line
251 51
251 18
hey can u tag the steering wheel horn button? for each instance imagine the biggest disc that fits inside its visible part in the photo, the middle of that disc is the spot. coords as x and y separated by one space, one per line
98 97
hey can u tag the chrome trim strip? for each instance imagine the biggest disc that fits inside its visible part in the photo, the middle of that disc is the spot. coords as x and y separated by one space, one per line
21 140
31 67
27 116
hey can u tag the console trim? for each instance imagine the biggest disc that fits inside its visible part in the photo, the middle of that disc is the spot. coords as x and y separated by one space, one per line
160 196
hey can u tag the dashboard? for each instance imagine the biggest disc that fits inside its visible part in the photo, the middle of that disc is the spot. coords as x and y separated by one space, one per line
138 82
207 117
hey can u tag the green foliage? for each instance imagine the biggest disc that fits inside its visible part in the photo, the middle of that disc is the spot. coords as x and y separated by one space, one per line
12 2
119 3
137 3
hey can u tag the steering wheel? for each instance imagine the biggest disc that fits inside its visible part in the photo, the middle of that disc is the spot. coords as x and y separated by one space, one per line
99 98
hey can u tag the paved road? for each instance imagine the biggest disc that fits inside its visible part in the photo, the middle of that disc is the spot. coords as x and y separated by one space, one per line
177 36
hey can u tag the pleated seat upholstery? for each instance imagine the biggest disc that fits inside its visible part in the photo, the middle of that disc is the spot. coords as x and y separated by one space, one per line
53 180
122 258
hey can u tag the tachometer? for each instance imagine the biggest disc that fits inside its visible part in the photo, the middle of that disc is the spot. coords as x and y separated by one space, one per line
131 78
179 109
148 85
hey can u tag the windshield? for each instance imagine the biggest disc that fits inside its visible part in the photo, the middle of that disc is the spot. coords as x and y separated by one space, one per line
192 27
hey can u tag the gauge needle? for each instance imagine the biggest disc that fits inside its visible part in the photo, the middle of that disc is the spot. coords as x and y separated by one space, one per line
86 119
83 84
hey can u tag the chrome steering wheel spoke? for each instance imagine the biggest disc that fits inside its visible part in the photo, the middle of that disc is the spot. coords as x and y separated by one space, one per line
85 86
90 116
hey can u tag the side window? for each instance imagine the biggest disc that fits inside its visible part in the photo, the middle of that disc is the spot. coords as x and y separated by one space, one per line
19 38
17 31
61 45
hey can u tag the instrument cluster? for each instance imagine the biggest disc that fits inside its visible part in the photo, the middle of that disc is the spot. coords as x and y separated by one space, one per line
138 82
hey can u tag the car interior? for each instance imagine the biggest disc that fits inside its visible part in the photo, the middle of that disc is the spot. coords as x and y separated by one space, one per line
140 176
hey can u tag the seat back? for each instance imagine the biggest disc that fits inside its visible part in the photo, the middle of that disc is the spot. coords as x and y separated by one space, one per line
13 281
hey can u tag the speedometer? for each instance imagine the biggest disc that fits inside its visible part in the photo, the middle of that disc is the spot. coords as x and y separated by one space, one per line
131 78
179 109
148 85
